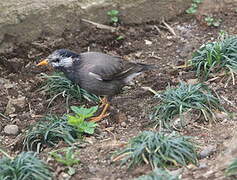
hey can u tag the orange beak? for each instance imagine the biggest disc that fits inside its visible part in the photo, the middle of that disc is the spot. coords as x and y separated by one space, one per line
43 63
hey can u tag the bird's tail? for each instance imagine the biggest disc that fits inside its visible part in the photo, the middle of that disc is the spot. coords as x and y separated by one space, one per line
147 67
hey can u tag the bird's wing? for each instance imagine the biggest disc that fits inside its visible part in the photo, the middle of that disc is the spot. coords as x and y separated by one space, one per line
107 68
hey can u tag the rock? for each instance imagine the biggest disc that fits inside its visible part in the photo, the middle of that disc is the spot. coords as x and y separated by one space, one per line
11 129
54 16
202 165
147 42
123 124
209 150
13 103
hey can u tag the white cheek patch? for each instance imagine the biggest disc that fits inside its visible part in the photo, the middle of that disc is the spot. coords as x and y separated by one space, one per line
55 64
66 62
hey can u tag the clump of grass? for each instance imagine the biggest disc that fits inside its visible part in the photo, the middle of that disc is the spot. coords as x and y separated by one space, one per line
186 97
159 150
48 133
216 56
158 174
58 85
24 166
232 169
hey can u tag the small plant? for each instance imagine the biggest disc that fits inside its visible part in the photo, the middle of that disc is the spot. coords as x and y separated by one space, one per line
24 166
58 85
186 97
212 21
113 14
65 156
159 150
232 169
216 56
78 121
48 133
194 7
158 174
119 38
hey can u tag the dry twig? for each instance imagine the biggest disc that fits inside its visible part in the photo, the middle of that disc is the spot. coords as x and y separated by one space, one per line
100 26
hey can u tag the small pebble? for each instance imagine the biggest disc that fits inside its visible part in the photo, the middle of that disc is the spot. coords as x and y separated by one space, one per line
123 124
11 129
202 165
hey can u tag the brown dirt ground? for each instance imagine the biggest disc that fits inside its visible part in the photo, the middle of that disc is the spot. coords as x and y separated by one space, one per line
134 104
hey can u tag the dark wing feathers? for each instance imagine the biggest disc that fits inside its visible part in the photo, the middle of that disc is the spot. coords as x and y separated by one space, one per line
112 68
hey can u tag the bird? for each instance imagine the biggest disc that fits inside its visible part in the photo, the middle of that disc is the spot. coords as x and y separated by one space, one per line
97 73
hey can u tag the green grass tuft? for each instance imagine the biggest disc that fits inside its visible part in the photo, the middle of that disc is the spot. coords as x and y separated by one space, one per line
159 150
158 174
25 166
232 169
186 97
58 85
49 132
216 56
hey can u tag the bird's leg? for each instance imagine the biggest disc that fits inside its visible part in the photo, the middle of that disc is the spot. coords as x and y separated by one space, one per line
105 105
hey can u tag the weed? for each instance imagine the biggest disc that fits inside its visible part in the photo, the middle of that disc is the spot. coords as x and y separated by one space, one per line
186 97
58 85
113 14
48 133
119 38
216 56
194 7
78 121
24 166
212 21
159 150
158 174
65 156
232 169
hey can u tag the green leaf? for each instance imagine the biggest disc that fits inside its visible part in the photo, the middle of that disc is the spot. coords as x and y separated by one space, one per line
84 112
113 12
74 120
71 171
191 10
114 19
198 1
120 38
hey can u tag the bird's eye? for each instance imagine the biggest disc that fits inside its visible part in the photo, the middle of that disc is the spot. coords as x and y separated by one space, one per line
57 60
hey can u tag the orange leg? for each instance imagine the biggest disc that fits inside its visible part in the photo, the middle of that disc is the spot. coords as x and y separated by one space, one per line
103 114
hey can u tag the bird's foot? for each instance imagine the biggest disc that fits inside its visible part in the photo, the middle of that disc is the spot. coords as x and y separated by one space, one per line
99 118
102 115
103 102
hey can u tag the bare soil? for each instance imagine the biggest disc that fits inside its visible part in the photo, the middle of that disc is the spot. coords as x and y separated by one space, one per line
150 43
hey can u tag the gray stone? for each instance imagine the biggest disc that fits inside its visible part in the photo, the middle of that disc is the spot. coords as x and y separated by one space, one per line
11 129
26 20
209 150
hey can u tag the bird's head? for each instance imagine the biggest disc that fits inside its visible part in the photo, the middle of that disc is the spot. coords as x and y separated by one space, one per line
60 59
